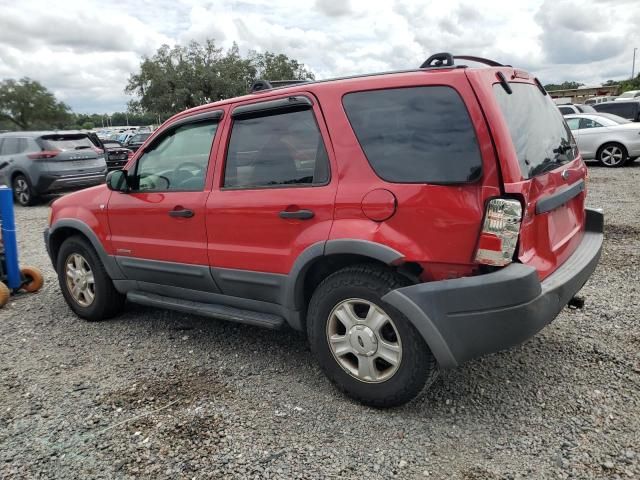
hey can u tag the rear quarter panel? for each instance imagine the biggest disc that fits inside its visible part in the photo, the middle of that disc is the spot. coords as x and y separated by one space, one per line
434 225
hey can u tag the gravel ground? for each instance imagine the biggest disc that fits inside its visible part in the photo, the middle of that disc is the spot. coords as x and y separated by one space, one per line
156 394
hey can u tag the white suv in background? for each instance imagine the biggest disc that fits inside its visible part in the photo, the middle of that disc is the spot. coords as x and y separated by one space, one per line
630 95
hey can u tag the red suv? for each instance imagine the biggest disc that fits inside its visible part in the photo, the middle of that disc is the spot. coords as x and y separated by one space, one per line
405 221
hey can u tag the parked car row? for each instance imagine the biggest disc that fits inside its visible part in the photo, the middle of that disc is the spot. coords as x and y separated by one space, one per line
629 109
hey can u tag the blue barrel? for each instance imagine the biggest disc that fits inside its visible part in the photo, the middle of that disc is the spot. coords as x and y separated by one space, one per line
9 241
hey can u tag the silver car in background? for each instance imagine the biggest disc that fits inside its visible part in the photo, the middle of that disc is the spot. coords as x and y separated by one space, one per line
38 163
610 139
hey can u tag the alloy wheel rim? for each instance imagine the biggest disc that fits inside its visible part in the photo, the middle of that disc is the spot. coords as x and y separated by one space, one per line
364 340
22 190
612 156
80 280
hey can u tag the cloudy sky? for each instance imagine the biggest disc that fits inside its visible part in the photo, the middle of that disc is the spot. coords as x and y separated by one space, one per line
84 50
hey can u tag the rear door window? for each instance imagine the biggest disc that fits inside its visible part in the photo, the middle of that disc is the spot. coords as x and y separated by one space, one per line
541 137
416 134
588 123
276 150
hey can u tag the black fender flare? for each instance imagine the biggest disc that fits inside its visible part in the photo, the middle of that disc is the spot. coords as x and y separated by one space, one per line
109 262
293 294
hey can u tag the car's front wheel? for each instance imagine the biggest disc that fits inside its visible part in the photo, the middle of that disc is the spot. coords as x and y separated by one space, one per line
366 347
85 284
612 155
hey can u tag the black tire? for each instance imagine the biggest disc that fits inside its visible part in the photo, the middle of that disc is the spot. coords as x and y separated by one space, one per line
603 158
630 160
23 192
417 368
108 302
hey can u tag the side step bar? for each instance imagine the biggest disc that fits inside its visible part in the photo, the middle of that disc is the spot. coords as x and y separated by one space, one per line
223 312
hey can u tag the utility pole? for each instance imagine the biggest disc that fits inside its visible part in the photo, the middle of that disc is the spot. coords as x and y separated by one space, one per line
633 67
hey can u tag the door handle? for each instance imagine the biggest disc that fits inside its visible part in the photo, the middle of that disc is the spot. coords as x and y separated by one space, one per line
181 213
297 214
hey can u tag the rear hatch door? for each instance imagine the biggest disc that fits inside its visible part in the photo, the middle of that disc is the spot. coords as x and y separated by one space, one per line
540 165
75 154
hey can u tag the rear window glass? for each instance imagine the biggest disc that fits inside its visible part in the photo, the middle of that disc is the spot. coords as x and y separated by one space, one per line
416 135
538 131
66 142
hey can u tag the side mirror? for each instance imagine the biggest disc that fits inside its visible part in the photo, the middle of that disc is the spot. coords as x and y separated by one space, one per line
117 181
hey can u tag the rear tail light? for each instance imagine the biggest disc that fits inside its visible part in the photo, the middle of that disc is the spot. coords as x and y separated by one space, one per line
500 232
99 151
44 154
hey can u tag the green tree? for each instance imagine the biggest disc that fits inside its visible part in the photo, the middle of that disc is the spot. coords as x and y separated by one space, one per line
88 125
563 86
183 77
28 104
632 84
270 66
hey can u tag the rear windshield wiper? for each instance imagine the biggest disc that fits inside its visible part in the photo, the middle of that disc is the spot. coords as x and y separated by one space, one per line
545 166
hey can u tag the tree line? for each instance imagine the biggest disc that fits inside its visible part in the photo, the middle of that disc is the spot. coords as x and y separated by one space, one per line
625 85
173 79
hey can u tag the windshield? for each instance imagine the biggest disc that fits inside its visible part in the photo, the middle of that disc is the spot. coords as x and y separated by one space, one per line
67 142
540 136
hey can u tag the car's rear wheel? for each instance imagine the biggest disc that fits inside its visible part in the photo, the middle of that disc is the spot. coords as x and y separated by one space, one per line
23 191
612 155
366 347
85 284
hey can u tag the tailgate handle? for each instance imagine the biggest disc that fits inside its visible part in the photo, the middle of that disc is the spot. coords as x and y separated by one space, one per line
557 199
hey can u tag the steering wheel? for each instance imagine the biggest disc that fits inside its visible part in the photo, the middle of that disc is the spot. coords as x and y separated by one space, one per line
151 181
181 171
185 165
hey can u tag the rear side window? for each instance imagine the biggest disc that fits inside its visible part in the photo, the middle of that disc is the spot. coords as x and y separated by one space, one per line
416 135
13 146
66 142
280 150
541 137
566 110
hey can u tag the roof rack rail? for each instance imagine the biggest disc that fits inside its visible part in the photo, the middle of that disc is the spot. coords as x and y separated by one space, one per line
486 61
260 85
444 59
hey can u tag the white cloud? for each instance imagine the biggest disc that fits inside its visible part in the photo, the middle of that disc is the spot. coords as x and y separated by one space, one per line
86 54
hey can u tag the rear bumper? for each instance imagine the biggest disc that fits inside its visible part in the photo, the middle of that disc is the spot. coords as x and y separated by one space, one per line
60 183
468 317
